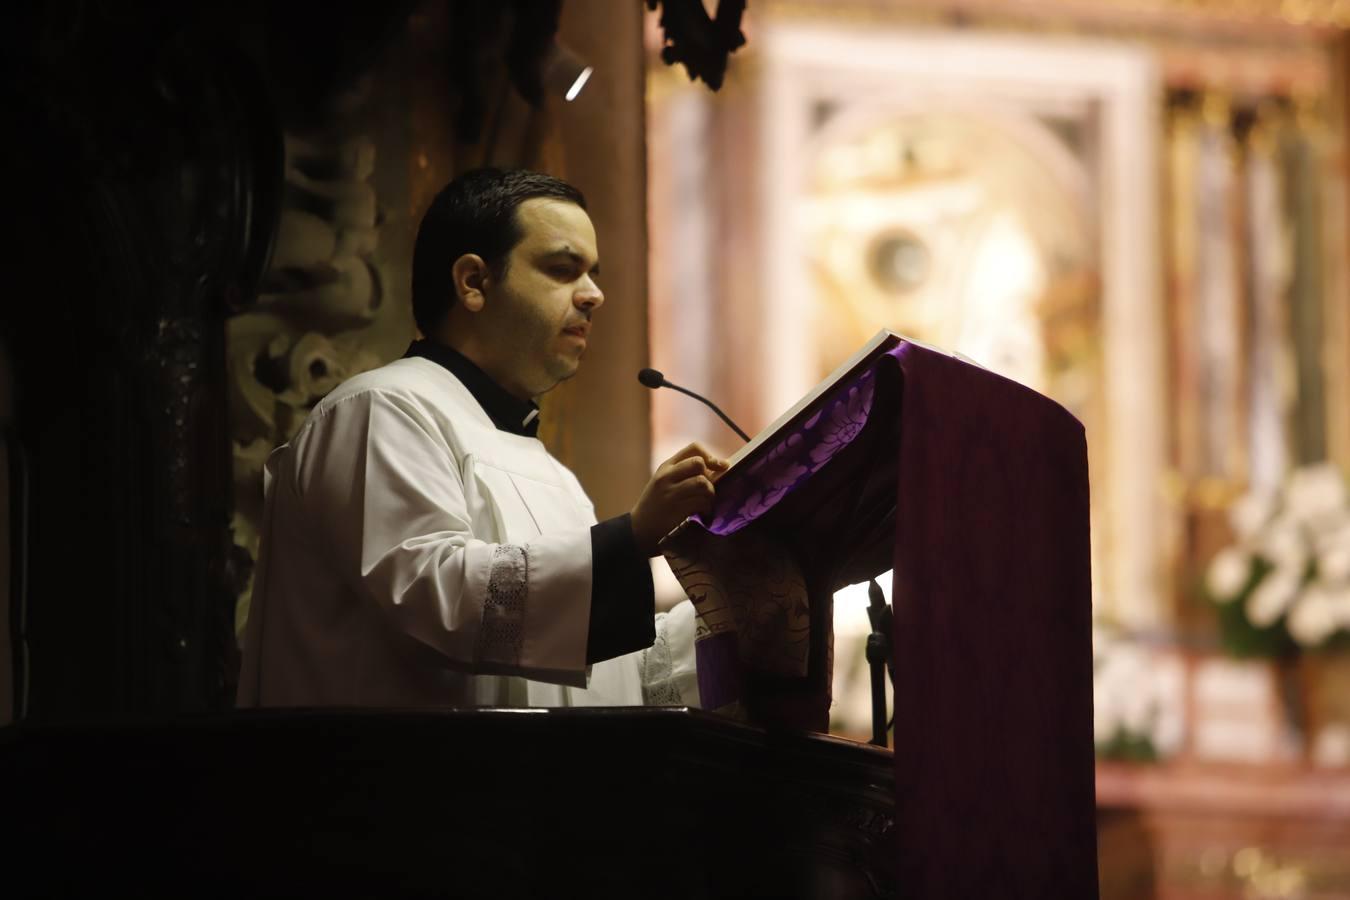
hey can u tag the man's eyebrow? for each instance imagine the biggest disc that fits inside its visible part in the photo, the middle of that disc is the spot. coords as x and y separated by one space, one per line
572 256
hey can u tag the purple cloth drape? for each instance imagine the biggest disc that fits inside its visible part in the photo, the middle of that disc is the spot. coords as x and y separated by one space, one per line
993 646
992 592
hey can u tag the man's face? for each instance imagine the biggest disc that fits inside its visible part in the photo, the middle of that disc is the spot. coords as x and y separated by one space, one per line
538 313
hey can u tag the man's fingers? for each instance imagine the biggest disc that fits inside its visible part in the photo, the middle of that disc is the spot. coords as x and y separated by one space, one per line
684 469
696 449
681 487
701 497
696 487
691 449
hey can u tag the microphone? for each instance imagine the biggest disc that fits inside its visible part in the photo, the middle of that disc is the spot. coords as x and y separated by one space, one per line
654 379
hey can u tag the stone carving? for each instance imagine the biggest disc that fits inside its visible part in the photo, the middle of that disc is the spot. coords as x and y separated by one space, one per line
304 335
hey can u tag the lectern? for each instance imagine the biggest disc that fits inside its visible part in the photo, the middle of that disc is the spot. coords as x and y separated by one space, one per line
657 802
972 488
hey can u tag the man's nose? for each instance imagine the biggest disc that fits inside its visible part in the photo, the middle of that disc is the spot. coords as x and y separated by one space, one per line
589 296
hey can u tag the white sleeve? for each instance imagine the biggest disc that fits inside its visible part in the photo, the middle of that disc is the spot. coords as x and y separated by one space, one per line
669 673
380 487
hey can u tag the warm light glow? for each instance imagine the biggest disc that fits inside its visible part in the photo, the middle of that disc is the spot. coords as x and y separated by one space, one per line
578 84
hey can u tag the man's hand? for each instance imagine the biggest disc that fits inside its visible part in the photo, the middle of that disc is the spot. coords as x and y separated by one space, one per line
681 486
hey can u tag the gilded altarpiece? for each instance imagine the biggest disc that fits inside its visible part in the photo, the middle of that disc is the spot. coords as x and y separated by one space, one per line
989 195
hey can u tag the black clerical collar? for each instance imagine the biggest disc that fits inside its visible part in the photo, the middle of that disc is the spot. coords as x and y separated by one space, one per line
507 412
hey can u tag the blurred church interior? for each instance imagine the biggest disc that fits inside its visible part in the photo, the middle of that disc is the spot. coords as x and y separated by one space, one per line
1137 208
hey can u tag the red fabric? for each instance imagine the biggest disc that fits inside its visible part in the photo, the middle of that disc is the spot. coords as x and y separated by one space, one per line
993 647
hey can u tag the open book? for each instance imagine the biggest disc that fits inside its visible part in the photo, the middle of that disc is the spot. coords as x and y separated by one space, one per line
883 341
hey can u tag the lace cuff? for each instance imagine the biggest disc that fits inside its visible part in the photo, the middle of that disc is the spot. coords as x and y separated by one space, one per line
503 630
669 670
659 687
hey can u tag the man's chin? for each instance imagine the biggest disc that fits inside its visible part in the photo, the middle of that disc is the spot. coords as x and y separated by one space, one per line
561 371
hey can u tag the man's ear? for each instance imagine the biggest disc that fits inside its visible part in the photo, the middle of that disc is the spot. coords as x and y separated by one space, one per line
470 275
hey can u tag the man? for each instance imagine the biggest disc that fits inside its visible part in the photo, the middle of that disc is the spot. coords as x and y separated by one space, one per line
420 547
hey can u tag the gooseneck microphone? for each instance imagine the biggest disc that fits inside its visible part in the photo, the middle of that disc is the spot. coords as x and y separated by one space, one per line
654 379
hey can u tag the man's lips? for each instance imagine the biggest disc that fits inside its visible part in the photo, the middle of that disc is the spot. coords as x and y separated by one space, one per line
580 330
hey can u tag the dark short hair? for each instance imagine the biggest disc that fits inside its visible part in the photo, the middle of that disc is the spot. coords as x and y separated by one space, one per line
475 213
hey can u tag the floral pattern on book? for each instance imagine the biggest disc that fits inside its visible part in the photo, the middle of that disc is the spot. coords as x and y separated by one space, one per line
744 496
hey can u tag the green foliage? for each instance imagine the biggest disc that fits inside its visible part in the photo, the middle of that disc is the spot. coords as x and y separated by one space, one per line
1238 636
1126 746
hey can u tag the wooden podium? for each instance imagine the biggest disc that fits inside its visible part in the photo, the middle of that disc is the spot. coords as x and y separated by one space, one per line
973 490
654 802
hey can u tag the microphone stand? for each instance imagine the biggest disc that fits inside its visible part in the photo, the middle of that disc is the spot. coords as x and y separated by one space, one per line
653 379
881 616
713 406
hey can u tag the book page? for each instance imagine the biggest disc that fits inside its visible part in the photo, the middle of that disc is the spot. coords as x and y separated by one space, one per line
881 342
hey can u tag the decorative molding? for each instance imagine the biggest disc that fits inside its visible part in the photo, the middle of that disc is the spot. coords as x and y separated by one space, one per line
306 332
1118 89
697 40
1232 18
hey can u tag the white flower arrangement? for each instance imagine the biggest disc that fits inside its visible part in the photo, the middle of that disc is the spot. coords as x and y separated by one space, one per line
1137 700
1289 568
